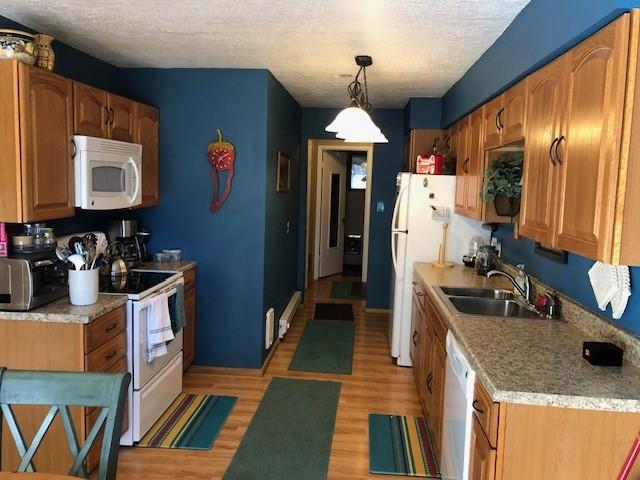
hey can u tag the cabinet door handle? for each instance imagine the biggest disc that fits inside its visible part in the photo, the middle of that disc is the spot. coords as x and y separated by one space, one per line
108 115
476 408
553 161
465 167
415 334
113 115
429 379
111 327
499 119
556 149
420 294
447 142
111 355
74 150
414 283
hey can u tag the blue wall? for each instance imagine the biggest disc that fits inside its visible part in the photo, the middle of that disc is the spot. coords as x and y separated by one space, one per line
228 245
280 245
543 30
387 162
422 112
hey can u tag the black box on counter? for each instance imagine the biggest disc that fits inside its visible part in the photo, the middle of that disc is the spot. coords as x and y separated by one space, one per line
605 354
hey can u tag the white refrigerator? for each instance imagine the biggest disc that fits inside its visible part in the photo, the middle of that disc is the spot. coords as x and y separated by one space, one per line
423 204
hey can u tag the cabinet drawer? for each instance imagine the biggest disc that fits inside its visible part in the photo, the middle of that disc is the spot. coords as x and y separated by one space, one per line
104 328
104 357
486 411
189 278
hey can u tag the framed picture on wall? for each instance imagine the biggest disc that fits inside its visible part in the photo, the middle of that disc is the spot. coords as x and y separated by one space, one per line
283 176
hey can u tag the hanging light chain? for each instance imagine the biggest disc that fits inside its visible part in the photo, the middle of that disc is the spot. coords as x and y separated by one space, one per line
357 93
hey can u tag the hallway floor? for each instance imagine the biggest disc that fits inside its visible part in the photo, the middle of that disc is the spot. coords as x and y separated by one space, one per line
375 386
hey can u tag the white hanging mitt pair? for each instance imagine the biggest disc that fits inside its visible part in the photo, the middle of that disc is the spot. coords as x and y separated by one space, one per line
611 284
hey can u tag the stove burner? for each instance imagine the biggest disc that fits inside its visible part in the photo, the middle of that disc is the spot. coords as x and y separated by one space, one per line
132 283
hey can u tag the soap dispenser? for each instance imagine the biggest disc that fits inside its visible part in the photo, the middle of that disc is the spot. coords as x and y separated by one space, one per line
521 279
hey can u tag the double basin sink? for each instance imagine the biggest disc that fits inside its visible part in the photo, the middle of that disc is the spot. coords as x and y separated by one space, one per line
491 302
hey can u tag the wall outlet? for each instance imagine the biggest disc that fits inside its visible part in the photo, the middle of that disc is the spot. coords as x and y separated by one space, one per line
270 321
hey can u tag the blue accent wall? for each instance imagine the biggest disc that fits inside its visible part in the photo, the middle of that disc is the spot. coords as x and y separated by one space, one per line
387 162
423 112
543 30
280 240
228 245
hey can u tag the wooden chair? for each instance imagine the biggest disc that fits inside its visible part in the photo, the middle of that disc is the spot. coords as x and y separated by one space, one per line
61 390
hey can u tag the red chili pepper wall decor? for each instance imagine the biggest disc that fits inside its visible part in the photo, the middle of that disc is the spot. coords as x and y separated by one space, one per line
222 156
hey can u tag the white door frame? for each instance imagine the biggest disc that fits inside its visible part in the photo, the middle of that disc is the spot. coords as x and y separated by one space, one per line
332 145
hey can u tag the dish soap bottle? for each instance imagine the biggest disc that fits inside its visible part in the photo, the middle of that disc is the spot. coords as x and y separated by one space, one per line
521 279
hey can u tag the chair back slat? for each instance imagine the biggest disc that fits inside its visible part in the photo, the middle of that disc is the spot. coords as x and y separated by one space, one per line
61 390
37 440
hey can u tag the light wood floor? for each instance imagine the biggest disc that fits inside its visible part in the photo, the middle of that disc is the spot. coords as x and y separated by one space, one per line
376 385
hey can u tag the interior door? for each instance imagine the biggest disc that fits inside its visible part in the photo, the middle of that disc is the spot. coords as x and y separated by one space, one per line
544 112
332 213
592 130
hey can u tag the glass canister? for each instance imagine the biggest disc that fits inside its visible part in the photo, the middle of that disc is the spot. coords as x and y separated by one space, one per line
486 259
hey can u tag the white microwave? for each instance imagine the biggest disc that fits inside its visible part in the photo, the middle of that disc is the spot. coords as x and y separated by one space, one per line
107 173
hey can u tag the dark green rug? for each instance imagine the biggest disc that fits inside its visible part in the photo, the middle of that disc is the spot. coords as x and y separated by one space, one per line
349 290
326 346
290 434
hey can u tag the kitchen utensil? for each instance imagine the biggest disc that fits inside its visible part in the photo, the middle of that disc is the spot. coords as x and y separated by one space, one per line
440 263
73 244
77 261
83 287
63 254
17 45
119 268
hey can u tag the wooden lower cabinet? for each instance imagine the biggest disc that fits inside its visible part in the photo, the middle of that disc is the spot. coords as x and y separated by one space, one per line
482 459
429 360
30 345
189 330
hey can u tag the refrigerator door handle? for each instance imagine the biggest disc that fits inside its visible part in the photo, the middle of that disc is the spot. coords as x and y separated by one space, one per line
394 254
396 209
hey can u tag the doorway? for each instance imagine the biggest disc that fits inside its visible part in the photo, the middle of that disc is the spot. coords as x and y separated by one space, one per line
338 209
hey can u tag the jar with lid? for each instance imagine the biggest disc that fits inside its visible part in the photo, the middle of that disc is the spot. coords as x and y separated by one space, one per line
486 259
48 238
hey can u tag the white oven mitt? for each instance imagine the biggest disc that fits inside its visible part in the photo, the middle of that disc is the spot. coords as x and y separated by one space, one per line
610 284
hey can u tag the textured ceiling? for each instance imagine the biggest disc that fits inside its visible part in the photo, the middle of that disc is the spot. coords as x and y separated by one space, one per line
419 47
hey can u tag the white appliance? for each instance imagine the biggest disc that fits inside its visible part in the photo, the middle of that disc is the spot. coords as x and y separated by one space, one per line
107 173
457 416
155 385
423 204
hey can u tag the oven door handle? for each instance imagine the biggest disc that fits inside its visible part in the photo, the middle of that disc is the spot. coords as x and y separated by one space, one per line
139 306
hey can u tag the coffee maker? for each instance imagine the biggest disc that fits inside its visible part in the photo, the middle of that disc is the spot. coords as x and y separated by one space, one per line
125 233
142 237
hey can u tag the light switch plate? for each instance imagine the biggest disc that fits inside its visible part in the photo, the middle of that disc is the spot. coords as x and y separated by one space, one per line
379 206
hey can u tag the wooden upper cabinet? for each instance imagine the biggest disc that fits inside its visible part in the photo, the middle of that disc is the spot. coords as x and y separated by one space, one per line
121 123
492 112
589 145
544 110
146 134
461 163
90 112
46 128
513 117
475 167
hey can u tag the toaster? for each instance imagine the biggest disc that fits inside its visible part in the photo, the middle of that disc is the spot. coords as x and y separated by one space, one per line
30 280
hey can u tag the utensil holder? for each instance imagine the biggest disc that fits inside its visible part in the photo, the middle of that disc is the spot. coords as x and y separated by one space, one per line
83 286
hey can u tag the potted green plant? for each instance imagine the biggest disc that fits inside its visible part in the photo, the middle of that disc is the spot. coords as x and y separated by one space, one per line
502 183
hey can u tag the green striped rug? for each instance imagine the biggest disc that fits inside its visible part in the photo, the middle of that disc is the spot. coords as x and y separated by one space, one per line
400 445
192 422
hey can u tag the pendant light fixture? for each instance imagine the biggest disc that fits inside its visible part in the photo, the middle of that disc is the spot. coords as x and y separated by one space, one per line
354 124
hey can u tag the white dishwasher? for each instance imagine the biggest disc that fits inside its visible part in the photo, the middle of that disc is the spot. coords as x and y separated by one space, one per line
457 416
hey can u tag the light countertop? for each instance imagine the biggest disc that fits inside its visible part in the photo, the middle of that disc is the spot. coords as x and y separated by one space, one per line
166 266
531 361
61 310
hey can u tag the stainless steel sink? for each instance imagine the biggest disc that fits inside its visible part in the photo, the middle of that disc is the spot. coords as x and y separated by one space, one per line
491 307
496 293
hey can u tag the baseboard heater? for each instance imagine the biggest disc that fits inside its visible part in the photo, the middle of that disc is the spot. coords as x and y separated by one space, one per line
288 314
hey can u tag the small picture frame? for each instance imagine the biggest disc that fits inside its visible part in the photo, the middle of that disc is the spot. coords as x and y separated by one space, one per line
283 177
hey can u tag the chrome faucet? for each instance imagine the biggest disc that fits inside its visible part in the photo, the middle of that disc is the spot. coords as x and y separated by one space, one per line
526 292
